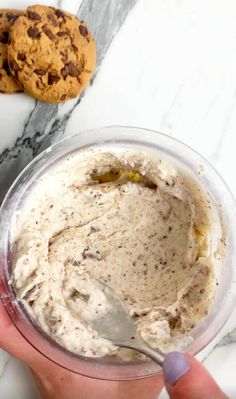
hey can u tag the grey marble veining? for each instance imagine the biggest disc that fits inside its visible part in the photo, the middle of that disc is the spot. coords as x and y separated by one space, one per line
104 19
43 126
13 160
228 339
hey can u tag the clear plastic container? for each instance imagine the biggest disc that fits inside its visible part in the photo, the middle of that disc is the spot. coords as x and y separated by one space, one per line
129 138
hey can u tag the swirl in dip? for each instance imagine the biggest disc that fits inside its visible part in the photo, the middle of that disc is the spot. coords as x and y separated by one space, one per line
136 222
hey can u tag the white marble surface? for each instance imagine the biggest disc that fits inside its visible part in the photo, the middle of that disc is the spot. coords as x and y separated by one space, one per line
170 67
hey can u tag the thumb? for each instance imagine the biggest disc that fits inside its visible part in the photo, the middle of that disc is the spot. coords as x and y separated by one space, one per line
186 378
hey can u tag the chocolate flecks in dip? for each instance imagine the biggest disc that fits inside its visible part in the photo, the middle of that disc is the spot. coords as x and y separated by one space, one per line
133 221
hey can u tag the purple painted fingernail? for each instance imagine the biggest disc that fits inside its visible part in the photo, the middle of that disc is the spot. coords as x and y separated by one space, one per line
175 365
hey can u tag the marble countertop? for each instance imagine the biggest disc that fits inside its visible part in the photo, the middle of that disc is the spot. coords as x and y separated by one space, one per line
167 65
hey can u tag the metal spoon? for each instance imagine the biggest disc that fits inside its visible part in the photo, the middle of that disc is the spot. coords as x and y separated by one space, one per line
118 327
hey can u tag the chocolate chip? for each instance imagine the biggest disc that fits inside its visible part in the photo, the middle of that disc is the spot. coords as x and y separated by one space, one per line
82 62
52 78
52 18
93 230
63 97
0 76
75 48
83 30
6 67
33 15
78 295
40 72
21 56
65 72
33 290
76 262
61 34
14 66
150 184
33 32
69 69
64 57
30 292
48 32
4 37
60 14
11 17
90 254
72 69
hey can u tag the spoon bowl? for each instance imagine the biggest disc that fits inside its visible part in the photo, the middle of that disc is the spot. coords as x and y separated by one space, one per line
117 326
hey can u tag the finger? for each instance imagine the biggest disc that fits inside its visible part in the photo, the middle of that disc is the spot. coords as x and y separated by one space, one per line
10 338
14 343
186 378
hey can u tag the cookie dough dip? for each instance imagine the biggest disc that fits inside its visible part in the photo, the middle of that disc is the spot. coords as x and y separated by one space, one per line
139 223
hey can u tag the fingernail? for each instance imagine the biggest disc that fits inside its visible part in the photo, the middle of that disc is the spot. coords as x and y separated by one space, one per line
175 365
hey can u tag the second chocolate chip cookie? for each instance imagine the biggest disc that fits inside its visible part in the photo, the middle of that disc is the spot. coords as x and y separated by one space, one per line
51 54
7 82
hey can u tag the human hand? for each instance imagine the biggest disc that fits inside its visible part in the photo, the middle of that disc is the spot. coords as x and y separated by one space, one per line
54 382
186 378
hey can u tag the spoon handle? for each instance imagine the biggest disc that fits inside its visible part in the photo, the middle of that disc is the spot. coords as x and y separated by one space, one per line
155 355
140 346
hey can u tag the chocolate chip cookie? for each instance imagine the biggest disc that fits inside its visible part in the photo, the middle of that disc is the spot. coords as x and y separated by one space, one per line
52 54
7 82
